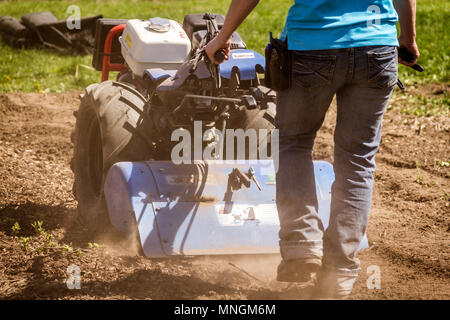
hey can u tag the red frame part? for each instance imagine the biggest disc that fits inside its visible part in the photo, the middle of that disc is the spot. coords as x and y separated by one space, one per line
107 66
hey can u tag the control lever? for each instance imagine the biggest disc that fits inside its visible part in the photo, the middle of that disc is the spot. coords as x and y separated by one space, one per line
407 56
238 180
251 174
249 102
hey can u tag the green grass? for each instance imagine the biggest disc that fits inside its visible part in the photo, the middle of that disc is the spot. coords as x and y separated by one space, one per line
421 105
39 70
433 37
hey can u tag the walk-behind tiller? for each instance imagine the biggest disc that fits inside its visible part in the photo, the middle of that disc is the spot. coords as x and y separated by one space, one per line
180 150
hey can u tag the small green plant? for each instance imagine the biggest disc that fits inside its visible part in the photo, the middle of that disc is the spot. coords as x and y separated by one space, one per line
49 240
25 242
93 245
419 178
441 163
37 226
420 105
67 248
15 229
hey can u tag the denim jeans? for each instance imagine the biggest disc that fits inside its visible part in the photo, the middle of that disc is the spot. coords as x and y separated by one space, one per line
362 80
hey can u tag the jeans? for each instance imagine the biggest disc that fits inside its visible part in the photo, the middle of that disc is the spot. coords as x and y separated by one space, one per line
363 80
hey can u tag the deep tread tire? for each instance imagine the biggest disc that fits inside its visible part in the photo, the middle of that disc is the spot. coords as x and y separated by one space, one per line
256 119
111 126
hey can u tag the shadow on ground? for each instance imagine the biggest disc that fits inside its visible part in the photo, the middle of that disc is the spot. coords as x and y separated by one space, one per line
53 216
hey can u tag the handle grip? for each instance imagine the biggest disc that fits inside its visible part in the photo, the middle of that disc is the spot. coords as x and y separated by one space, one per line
408 56
219 56
417 67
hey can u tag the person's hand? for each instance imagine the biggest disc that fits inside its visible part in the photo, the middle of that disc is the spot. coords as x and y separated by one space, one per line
215 45
411 46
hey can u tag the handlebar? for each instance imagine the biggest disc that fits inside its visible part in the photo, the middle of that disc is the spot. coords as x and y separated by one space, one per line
219 56
408 56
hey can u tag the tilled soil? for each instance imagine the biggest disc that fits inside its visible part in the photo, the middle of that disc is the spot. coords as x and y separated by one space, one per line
408 229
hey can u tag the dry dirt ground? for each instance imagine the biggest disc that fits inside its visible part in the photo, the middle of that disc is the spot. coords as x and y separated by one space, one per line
408 230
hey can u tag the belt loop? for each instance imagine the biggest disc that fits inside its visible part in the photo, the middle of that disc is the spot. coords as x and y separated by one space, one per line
351 63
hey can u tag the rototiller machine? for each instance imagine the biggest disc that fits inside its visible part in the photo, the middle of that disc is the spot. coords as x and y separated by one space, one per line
132 171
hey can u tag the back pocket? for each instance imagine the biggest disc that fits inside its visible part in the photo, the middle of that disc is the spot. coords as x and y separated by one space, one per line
382 67
311 70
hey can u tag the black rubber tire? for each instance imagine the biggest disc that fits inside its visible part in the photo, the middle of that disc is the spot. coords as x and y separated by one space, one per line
256 119
111 126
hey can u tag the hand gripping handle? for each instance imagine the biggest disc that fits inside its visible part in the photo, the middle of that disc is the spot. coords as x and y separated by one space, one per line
219 56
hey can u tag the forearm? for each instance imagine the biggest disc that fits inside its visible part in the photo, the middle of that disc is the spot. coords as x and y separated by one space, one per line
406 10
238 11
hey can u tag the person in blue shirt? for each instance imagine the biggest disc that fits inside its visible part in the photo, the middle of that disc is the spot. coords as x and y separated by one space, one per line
347 49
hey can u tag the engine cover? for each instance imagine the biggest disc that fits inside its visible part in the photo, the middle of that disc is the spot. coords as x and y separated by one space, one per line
246 62
154 43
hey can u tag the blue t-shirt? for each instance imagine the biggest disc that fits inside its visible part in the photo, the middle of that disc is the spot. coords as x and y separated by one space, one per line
332 24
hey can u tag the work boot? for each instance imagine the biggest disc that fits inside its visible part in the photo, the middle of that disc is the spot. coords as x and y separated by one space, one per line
298 270
334 284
